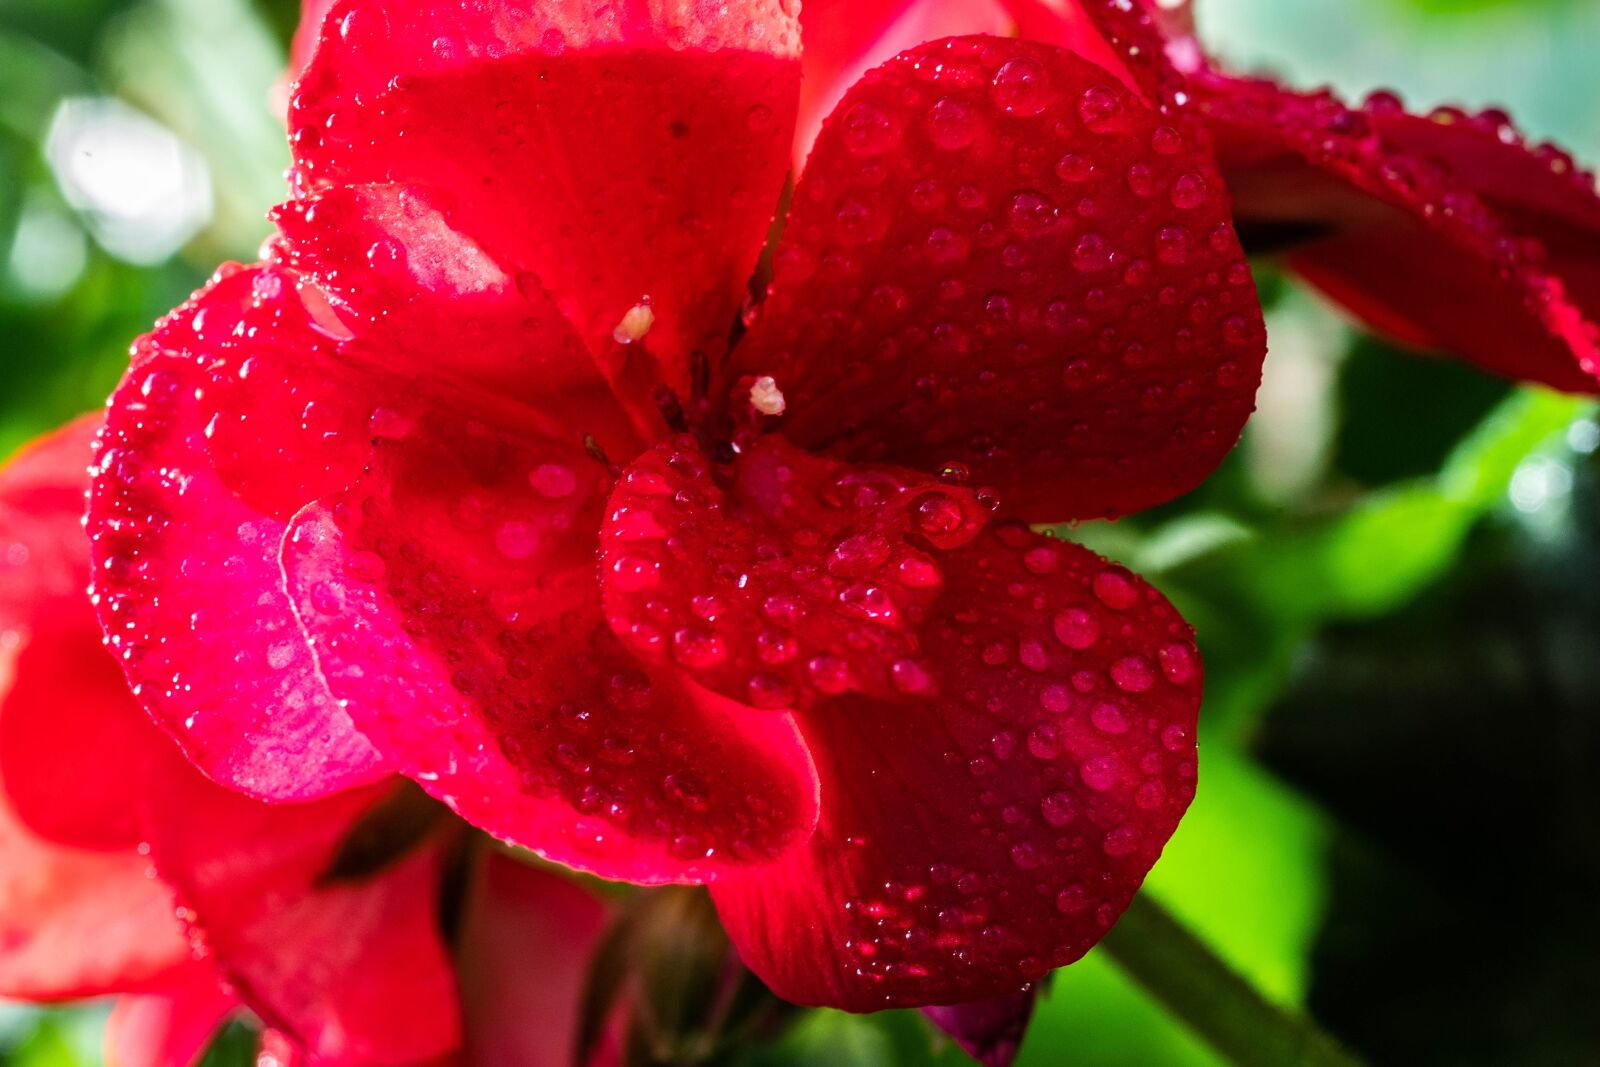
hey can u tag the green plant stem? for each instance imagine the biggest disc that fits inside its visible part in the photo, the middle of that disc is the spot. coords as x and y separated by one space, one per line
1220 1007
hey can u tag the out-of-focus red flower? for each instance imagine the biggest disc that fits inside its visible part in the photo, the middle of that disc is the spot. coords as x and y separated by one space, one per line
921 753
122 870
1448 231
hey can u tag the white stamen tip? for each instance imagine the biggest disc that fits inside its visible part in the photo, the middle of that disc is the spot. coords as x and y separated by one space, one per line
766 397
635 324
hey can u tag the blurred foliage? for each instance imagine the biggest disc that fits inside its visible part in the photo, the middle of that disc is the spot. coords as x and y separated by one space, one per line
1396 822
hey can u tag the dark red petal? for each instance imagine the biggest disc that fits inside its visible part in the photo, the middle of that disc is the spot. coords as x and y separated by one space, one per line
975 839
1449 233
524 955
1000 260
430 299
206 450
355 968
656 188
169 1028
782 580
991 1031
451 598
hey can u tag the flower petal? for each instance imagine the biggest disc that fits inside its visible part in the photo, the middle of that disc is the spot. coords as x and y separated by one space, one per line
1000 260
999 767
354 968
312 12
451 598
991 1031
169 1028
1448 233
427 297
73 922
524 953
802 578
610 196
206 450
973 840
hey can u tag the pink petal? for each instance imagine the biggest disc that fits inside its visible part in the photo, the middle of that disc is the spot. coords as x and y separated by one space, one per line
73 922
524 953
207 449
451 598
999 261
978 836
353 967
1450 234
169 1028
657 188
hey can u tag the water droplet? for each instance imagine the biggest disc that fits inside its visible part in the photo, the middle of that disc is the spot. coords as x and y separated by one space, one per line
1021 87
698 649
1165 141
1026 856
1032 212
1058 809
1100 107
858 554
1044 742
1177 663
1031 654
1133 674
1077 628
911 677
1115 589
553 480
1042 559
687 790
952 125
1109 718
1175 738
1055 698
1091 254
1121 842
1099 773
829 674
1189 192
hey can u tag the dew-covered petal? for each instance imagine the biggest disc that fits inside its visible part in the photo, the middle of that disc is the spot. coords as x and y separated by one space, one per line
429 298
1000 261
977 837
1447 232
353 966
991 1031
74 921
452 600
209 445
170 1027
626 155
784 578
527 941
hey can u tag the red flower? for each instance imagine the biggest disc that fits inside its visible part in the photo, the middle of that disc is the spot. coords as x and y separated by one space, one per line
922 754
349 501
1447 231
336 946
